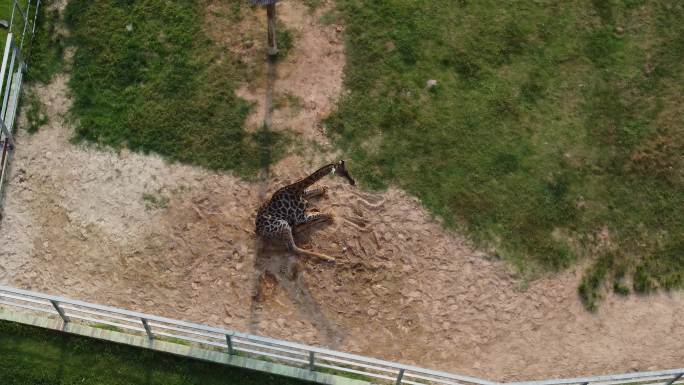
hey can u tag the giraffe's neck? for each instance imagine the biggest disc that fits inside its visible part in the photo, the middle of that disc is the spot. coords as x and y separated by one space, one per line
302 184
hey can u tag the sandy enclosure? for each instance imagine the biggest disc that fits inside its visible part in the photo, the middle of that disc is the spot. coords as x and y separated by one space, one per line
133 231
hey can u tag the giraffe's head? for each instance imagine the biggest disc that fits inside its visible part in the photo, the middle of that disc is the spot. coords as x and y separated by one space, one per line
341 170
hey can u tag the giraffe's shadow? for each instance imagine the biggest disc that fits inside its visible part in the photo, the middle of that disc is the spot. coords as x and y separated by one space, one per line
275 261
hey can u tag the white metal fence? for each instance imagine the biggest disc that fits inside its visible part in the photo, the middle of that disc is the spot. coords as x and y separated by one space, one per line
11 74
287 353
23 20
21 29
232 342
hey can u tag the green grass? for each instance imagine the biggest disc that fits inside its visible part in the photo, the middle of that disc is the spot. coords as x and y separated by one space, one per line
342 373
35 114
313 5
145 76
33 356
6 14
552 123
155 201
107 327
287 100
284 38
17 24
44 53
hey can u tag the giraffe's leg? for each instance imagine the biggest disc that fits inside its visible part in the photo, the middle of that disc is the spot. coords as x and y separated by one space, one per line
286 236
310 193
312 219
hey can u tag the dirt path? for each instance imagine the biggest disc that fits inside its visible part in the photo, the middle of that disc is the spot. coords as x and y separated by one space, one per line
133 231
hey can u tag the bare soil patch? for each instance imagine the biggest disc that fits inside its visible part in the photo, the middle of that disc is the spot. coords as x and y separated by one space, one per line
308 80
133 231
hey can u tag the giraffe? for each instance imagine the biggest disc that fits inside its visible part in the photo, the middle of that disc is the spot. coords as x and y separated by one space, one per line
286 210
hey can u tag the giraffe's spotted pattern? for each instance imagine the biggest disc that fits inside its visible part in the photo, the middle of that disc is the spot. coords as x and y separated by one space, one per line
285 209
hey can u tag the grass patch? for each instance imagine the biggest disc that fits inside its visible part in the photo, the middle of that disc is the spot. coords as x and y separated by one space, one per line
35 112
107 327
313 5
287 100
146 76
284 40
590 289
44 53
331 16
6 14
547 120
155 201
178 341
342 373
662 269
33 356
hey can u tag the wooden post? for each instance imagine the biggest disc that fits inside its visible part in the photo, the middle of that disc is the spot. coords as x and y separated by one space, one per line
272 45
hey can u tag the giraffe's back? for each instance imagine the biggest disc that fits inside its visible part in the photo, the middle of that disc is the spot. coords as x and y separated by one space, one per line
283 206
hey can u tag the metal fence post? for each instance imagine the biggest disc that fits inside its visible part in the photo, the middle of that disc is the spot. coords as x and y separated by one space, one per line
35 18
4 130
14 4
10 75
5 61
23 31
229 342
11 114
400 376
677 377
147 328
311 360
59 311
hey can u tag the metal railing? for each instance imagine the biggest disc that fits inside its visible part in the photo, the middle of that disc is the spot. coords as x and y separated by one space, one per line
22 20
284 352
22 27
663 377
11 74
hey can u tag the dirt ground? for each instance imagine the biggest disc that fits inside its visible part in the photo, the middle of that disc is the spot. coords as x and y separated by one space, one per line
134 231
